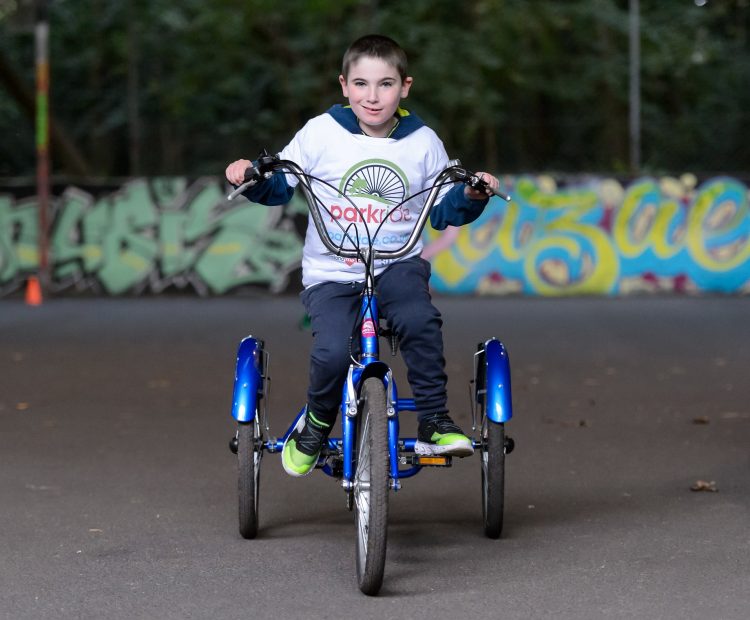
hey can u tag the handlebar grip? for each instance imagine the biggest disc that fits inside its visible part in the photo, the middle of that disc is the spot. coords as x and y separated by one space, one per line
478 183
458 173
252 176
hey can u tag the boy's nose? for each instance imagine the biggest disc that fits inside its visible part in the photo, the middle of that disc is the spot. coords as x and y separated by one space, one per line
372 94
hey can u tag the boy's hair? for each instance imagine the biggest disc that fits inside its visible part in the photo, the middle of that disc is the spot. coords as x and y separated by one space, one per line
375 46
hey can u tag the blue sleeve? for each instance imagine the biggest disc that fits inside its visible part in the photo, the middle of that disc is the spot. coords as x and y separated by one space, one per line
270 192
455 209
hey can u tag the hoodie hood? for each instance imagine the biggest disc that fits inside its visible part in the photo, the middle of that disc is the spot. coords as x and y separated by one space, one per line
408 123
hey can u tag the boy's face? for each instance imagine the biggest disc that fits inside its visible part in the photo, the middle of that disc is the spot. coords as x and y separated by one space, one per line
374 90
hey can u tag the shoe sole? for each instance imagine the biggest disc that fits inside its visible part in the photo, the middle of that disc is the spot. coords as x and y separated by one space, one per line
460 449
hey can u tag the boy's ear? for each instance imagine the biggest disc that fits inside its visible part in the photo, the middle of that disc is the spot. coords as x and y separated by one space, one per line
344 89
405 86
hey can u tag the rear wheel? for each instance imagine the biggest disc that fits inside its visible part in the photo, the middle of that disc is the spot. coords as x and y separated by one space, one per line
493 477
371 487
492 452
249 453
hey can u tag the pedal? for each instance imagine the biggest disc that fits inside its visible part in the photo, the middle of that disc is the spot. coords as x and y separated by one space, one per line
427 461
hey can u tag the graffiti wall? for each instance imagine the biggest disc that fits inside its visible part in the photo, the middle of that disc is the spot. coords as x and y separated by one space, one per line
587 236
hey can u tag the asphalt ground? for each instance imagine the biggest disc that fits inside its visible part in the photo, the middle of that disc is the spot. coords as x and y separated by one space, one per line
117 490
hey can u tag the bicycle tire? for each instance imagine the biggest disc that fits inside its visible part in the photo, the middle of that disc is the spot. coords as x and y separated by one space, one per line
248 477
493 477
371 480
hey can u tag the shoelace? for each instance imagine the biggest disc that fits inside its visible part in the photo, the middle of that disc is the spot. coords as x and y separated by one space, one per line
441 422
310 439
446 426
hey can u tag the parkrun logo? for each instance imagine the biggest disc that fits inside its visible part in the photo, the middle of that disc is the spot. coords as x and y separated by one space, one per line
379 181
375 179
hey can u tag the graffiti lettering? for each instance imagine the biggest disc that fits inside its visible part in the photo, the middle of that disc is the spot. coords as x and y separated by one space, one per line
151 235
598 237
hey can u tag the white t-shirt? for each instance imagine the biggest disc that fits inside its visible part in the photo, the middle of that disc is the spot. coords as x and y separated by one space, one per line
376 174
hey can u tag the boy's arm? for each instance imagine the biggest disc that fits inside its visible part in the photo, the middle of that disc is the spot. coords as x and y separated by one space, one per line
455 209
270 192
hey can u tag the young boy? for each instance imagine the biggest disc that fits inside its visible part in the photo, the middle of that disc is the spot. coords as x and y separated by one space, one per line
377 154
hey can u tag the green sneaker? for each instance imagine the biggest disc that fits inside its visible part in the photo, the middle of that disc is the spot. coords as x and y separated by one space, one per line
302 448
439 435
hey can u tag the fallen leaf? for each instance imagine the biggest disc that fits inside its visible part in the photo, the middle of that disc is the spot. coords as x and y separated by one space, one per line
22 406
703 419
702 485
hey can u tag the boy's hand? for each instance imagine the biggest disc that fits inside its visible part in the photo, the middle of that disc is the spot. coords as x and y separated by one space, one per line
236 171
477 194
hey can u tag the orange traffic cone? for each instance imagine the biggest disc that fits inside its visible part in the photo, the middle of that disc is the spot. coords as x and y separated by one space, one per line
33 292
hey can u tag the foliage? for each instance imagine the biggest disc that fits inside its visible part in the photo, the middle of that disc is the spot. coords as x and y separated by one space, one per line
156 87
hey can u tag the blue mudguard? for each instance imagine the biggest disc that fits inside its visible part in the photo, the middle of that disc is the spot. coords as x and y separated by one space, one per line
499 404
248 382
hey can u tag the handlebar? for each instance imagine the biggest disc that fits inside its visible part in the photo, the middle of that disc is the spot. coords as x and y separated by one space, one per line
268 165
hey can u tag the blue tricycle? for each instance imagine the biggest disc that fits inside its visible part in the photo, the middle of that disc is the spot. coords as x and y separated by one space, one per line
370 458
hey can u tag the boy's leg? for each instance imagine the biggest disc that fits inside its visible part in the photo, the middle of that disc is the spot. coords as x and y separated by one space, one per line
332 308
404 299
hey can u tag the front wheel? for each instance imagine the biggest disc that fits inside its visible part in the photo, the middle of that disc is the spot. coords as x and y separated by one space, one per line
493 477
249 454
371 487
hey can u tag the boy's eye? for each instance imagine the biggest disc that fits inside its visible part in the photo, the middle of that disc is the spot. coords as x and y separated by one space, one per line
387 84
